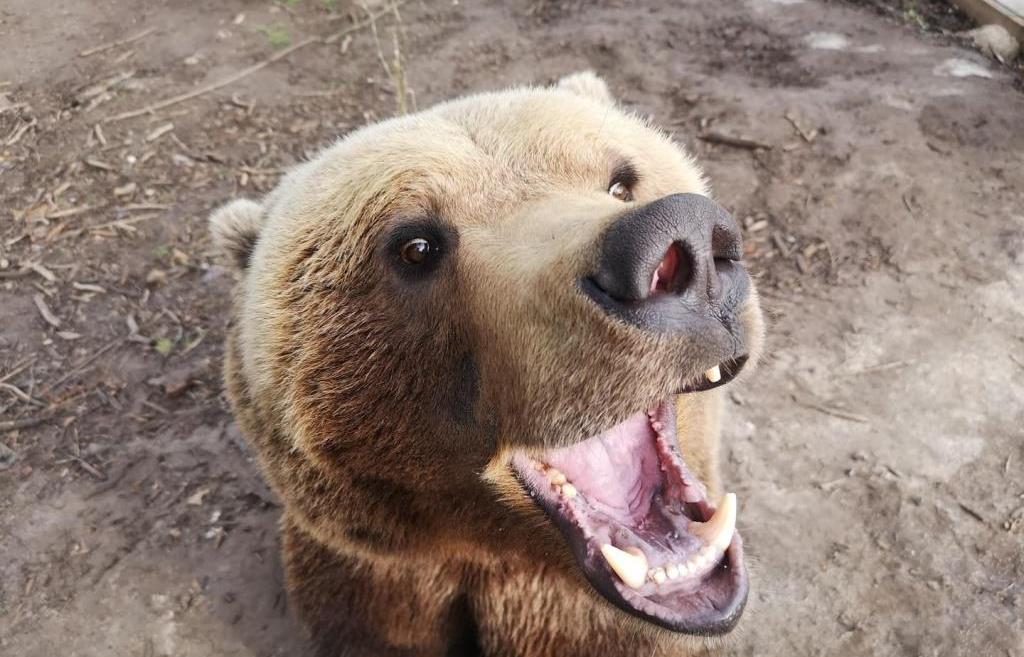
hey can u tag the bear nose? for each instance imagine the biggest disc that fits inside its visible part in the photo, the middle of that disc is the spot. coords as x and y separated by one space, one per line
671 264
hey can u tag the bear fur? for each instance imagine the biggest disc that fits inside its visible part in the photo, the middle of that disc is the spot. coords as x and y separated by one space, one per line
383 407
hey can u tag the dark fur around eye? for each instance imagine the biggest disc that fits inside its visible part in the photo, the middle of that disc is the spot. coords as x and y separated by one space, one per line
626 174
441 238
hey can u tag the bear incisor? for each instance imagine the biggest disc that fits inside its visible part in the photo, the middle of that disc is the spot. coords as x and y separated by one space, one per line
480 351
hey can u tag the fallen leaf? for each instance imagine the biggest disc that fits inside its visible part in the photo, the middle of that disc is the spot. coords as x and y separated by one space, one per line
196 498
45 311
125 190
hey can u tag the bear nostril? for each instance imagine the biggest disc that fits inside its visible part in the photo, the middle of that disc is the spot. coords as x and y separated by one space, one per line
726 243
672 265
673 272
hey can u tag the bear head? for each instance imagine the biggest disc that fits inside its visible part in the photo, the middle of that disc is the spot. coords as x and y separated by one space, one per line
497 330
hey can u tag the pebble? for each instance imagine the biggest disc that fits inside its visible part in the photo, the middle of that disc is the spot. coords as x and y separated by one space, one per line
995 41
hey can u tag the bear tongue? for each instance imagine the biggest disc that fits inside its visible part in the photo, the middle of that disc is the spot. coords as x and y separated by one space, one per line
618 471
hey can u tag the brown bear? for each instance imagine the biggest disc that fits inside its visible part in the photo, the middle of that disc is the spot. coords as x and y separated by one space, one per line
480 353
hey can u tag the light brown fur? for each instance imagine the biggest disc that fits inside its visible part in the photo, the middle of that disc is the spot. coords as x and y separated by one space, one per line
383 415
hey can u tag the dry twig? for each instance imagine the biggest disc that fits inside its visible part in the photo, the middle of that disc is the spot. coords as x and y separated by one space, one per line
730 140
25 422
45 312
829 410
77 369
18 369
20 394
394 69
235 77
114 44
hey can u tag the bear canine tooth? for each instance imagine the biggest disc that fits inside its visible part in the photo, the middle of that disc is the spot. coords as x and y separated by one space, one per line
568 491
556 477
718 530
630 566
714 375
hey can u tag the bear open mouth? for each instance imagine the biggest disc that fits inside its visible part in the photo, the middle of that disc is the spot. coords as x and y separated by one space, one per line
640 525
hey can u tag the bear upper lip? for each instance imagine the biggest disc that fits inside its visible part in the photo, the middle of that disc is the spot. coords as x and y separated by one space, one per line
640 525
716 376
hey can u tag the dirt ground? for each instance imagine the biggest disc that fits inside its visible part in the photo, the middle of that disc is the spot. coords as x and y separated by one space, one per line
878 455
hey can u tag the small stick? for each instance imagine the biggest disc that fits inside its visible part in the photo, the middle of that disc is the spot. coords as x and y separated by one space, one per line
879 368
972 513
355 27
43 271
114 44
88 467
77 369
807 136
45 311
17 273
906 204
70 212
235 77
394 71
118 223
144 207
828 410
23 423
729 140
160 132
20 394
113 481
20 132
98 164
322 93
18 369
231 79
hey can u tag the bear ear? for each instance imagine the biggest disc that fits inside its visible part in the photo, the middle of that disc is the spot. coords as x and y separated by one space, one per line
588 85
235 228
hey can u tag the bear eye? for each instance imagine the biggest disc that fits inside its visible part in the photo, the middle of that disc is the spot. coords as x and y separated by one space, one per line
620 191
414 248
623 181
417 251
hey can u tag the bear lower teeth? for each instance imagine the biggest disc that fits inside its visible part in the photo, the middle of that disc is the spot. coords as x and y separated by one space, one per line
716 533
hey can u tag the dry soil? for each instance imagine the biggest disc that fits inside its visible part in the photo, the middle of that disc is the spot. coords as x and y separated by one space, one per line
878 454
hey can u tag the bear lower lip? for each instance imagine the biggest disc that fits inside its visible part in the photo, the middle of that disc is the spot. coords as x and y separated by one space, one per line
640 525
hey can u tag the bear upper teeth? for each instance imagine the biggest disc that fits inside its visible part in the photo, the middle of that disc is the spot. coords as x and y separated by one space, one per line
714 375
718 530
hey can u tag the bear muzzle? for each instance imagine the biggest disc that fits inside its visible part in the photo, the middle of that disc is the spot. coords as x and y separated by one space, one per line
672 266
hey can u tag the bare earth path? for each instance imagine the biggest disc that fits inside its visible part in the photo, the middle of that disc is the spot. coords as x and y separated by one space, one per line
878 455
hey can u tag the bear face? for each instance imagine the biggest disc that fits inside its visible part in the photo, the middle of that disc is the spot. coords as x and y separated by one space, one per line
494 333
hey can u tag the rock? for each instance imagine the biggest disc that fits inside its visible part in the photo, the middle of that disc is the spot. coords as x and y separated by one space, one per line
196 498
7 457
180 379
995 41
156 277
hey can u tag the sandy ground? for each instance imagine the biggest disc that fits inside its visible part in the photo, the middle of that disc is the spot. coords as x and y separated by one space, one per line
878 455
